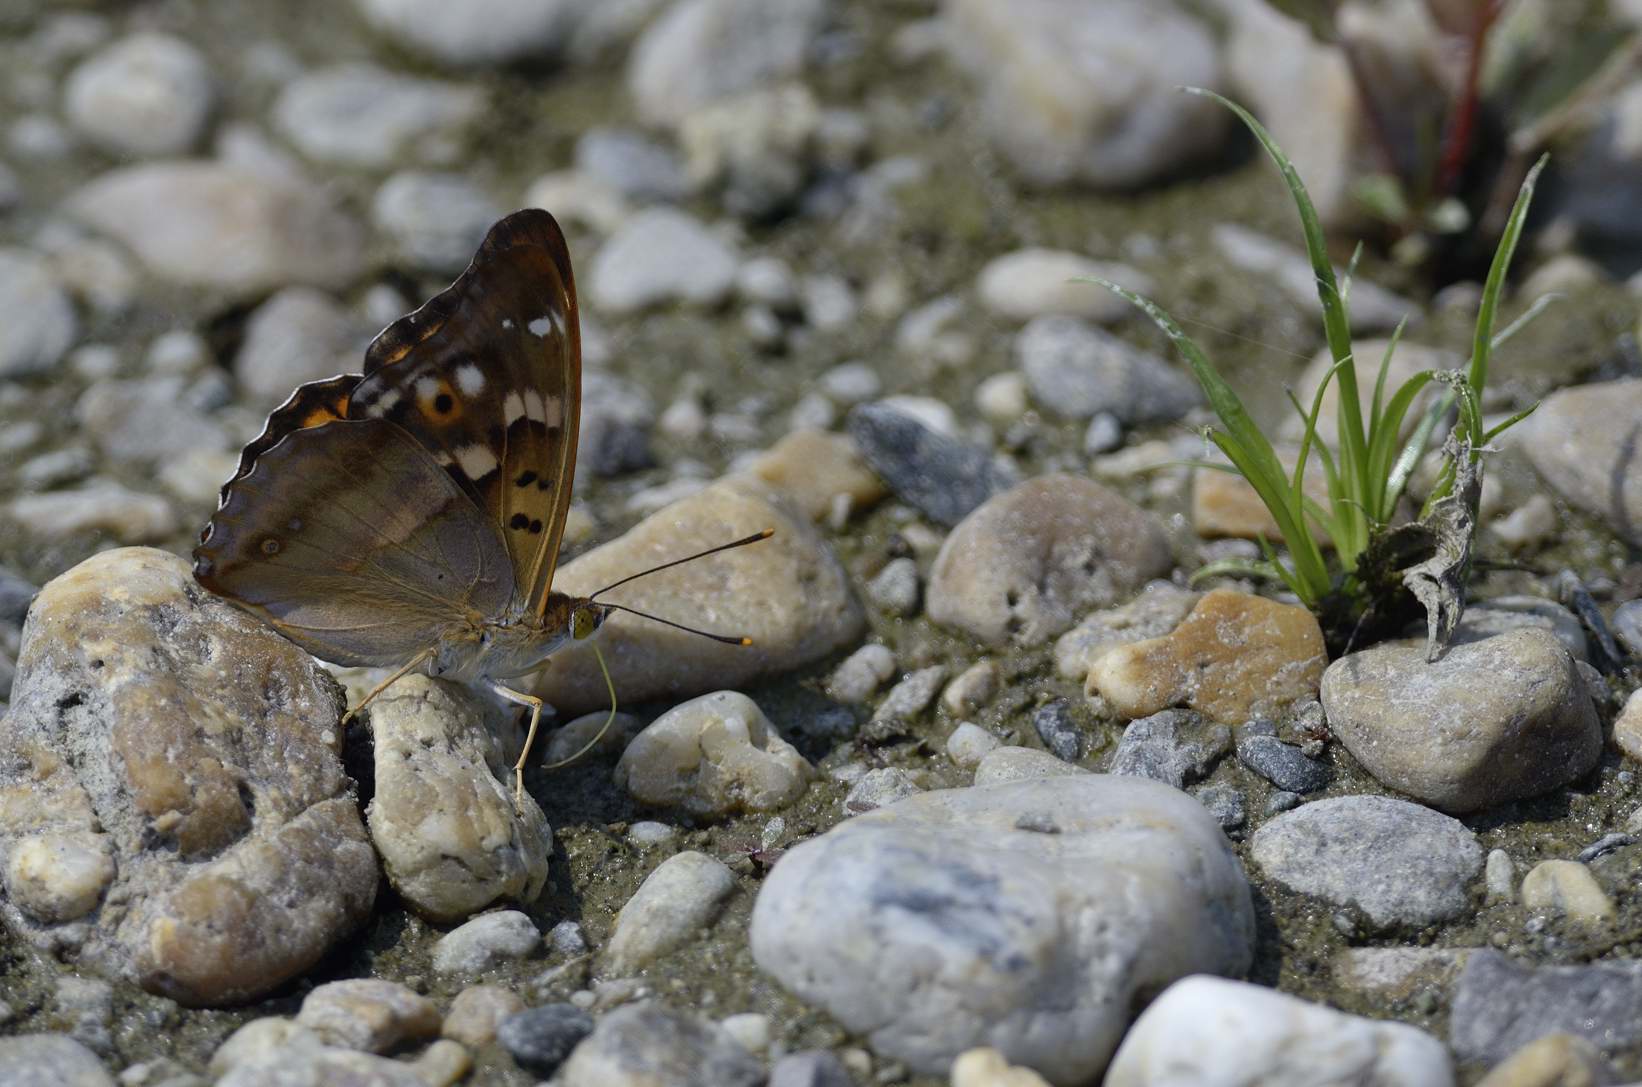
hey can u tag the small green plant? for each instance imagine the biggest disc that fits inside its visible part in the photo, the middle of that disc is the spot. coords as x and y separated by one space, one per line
1368 472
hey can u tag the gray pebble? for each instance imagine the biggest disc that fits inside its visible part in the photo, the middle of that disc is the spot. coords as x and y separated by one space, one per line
643 1044
675 903
1225 802
851 383
540 1039
1604 845
1500 1006
1282 801
566 938
1059 733
618 417
1282 764
435 220
365 116
895 588
40 324
1499 876
486 941
1176 747
1104 434
810 1068
1359 851
940 476
1627 626
912 696
1075 370
860 674
660 256
632 163
50 1060
880 787
147 94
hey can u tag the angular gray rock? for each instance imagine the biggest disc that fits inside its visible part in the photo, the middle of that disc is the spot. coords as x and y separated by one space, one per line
1076 371
650 1043
1028 916
1499 1005
1586 442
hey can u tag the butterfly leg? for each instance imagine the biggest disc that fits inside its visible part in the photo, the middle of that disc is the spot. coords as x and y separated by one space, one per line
535 705
409 667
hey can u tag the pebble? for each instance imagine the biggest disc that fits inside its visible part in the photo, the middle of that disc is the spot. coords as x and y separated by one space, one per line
1226 506
202 830
1175 747
1627 626
179 351
788 593
969 743
50 1060
1357 851
894 589
224 229
368 1014
443 1063
85 1009
1024 565
851 383
327 1064
1158 609
99 506
1436 733
488 941
40 325
1500 876
1284 765
1409 359
714 755
750 1030
1233 657
146 420
1075 371
1373 308
1568 889
97 272
298 335
1011 763
1105 433
575 198
483 32
1498 1006
567 938
434 220
1012 882
1036 282
636 166
940 476
1205 1030
1001 398
810 1068
986 1067
1059 732
1552 1061
1580 442
646 1044
674 904
817 470
860 674
912 695
829 302
1627 726
973 688
1226 803
443 819
879 788
648 832
540 1039
59 877
661 256
1485 618
477 1011
1529 525
1086 93
262 1040
700 51
753 151
148 94
364 116
617 418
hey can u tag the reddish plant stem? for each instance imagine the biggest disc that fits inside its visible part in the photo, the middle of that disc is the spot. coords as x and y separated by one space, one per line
1462 120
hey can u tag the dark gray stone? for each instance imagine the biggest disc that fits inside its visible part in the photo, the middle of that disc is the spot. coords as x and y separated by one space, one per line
1282 764
652 1043
1059 733
1175 747
1226 803
1500 1006
943 478
540 1039
617 418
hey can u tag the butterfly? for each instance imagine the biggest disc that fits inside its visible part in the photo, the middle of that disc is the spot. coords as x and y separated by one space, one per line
411 516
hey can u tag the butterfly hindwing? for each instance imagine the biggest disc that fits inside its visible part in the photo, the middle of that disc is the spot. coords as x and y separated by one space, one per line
486 377
350 541
311 405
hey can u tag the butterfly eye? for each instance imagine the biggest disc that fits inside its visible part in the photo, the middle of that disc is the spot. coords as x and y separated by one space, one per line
581 623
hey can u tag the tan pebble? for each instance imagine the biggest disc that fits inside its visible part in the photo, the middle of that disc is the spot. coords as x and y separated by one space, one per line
1224 504
1233 656
812 466
973 688
476 1013
443 1063
987 1067
368 1014
259 1039
1555 1060
1627 727
1567 888
59 877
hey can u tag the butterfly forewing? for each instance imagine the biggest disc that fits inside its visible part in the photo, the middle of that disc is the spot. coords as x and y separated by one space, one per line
352 542
487 378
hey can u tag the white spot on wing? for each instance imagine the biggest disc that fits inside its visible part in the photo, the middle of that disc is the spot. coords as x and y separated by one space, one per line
443 459
541 326
383 404
507 322
470 379
534 406
513 406
426 387
555 411
476 461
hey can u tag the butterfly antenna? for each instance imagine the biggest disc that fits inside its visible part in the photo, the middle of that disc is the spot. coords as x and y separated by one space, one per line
727 639
743 542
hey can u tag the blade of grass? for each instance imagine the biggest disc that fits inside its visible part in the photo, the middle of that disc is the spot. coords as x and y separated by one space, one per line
1500 428
1494 286
1379 381
1384 439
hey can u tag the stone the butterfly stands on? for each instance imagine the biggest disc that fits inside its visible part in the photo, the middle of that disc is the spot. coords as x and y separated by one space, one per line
410 517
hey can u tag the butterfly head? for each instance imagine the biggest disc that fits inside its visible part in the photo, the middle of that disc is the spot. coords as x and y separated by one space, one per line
586 617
